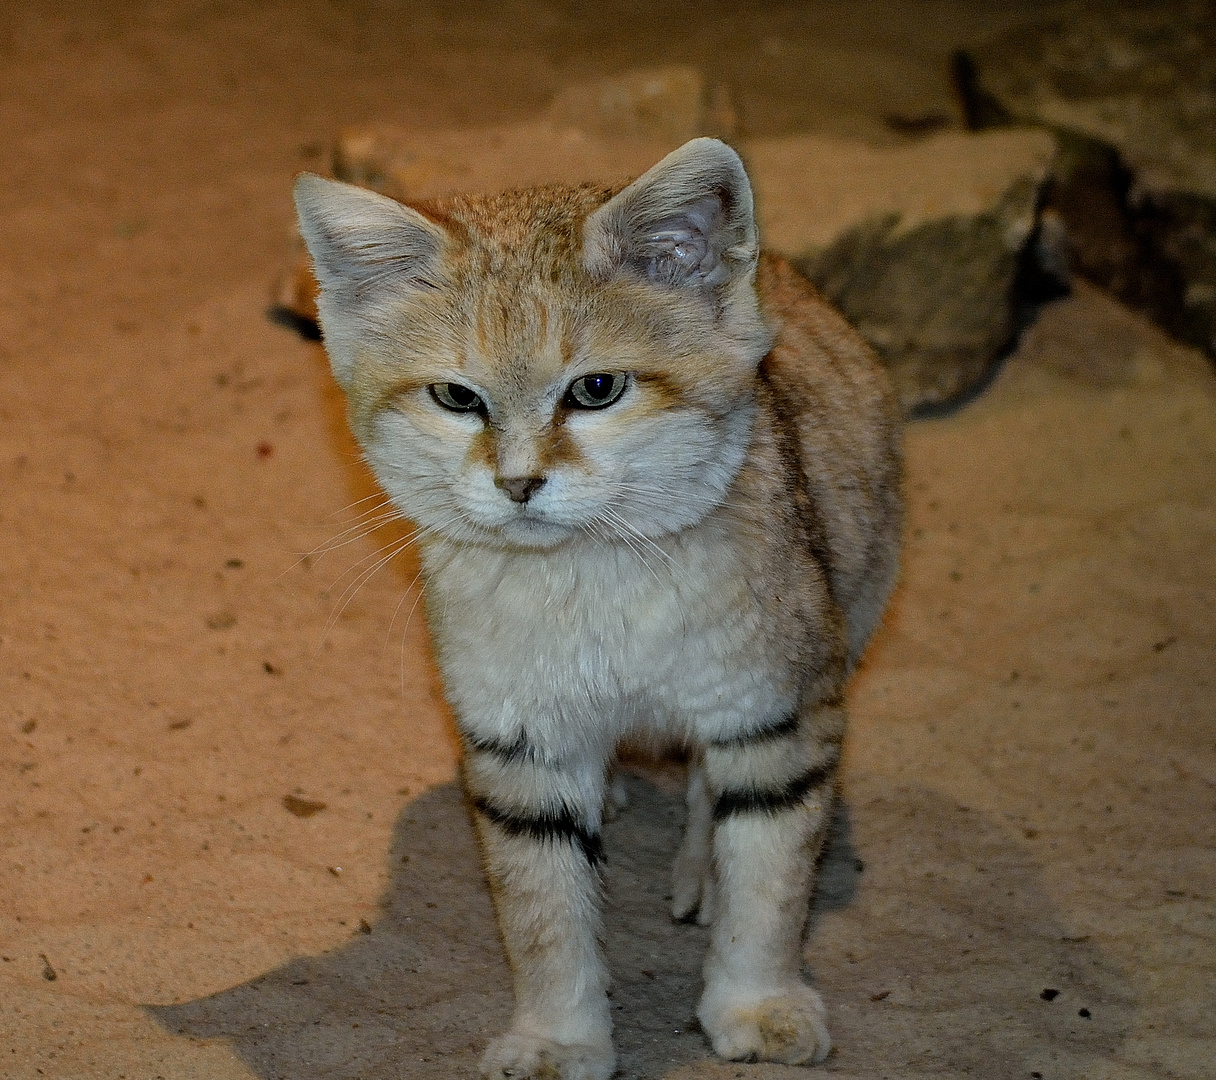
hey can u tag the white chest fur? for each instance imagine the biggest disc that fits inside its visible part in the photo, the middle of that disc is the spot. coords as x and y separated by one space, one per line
585 643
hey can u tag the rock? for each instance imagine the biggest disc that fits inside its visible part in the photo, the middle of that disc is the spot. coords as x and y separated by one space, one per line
430 164
601 129
666 104
919 246
1130 90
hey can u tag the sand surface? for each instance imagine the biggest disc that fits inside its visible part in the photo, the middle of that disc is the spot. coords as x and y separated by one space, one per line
1029 798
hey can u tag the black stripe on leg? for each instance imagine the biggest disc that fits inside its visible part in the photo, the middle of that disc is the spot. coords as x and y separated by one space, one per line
519 750
550 825
771 800
779 729
765 733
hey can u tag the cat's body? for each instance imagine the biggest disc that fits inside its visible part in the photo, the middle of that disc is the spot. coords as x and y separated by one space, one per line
651 508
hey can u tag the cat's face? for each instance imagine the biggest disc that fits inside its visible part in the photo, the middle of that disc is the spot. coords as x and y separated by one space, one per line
533 367
532 417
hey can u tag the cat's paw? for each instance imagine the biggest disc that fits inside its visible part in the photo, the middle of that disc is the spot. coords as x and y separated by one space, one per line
789 1028
520 1056
692 896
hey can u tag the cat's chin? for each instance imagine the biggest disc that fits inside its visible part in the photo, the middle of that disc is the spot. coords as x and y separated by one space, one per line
529 533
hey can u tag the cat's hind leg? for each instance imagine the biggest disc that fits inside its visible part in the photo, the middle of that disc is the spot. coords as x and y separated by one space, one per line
692 884
618 795
772 793
539 822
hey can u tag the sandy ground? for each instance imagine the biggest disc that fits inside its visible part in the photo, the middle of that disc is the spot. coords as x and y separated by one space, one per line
1030 787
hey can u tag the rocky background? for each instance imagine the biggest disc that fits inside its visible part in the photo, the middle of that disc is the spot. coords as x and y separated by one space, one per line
1129 90
940 259
232 844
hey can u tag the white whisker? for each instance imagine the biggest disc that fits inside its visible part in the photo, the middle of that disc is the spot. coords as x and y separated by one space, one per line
356 532
364 576
405 541
384 499
397 610
621 530
640 536
654 497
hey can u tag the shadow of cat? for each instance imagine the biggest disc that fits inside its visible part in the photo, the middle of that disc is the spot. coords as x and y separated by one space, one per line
420 992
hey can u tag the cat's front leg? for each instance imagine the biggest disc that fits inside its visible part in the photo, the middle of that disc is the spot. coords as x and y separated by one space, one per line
772 791
539 821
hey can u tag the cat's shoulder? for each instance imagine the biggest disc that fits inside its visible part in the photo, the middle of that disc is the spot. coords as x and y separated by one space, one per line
801 315
816 351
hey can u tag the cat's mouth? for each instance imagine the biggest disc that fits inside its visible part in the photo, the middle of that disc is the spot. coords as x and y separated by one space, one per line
534 531
530 526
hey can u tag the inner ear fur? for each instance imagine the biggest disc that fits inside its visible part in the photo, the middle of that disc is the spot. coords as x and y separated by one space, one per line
688 222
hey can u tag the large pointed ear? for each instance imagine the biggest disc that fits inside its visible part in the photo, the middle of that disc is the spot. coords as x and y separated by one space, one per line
369 252
688 223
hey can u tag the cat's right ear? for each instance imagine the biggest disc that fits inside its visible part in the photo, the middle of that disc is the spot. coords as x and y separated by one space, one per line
369 252
687 224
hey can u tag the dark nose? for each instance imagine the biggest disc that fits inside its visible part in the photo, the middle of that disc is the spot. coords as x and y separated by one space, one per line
520 488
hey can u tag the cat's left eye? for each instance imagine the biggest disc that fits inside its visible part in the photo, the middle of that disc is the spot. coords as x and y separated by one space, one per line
596 391
455 397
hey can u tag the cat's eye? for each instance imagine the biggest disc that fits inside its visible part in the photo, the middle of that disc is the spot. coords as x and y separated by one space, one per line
455 397
596 391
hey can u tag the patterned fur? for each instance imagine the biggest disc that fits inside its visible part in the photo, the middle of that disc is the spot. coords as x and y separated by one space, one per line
695 551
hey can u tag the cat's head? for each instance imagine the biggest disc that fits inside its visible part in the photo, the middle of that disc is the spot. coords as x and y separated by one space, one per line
529 367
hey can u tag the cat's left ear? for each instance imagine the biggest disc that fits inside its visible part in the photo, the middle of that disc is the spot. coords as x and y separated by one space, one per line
687 223
370 253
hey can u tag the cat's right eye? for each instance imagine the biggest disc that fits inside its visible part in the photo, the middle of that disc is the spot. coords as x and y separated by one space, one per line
455 397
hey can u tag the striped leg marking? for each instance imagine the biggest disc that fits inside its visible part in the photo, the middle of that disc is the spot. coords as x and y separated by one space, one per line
539 822
547 826
772 791
774 767
772 800
522 793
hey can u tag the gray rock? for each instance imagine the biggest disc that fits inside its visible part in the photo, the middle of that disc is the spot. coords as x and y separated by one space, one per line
669 104
431 164
1130 89
604 128
919 246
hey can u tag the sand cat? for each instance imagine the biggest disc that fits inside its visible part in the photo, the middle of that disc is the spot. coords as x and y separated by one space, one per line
657 483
